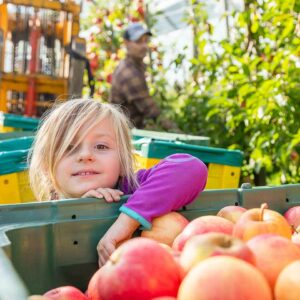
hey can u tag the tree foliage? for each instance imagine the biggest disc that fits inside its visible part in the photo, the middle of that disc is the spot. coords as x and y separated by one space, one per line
242 92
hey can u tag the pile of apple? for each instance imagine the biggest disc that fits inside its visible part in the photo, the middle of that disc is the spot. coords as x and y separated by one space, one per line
237 254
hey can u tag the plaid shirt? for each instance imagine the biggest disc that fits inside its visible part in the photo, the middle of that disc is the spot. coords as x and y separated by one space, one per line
129 89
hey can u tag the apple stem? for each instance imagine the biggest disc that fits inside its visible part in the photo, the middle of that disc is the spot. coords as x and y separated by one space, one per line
227 242
262 209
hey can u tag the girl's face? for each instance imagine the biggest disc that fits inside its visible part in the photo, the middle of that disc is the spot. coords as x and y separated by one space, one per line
92 164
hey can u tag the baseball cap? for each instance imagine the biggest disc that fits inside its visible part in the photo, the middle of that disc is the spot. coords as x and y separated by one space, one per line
134 31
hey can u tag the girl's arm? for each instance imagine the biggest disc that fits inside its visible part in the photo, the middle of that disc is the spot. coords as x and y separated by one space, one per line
120 231
174 182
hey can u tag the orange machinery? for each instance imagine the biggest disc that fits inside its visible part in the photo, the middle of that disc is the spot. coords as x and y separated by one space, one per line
37 40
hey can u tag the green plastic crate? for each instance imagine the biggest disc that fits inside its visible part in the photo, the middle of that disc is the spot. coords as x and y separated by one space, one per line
138 134
13 161
15 134
10 122
224 166
21 143
50 244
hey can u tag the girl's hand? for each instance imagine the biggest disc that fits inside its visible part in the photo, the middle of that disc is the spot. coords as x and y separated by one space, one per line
109 195
120 231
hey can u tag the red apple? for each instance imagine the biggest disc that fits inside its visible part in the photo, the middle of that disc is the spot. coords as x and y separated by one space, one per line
292 215
93 290
200 247
94 62
166 228
202 225
176 255
139 269
288 283
272 253
172 251
294 156
261 220
109 78
65 293
226 278
141 11
231 212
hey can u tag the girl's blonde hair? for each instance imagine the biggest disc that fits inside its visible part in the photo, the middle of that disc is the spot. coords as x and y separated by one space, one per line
57 131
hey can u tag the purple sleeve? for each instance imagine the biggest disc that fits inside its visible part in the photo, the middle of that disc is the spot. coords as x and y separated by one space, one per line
174 182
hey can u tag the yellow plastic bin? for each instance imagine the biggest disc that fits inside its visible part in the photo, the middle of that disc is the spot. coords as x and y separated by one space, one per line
14 182
224 166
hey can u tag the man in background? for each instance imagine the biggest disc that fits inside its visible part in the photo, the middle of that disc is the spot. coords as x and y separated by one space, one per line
129 87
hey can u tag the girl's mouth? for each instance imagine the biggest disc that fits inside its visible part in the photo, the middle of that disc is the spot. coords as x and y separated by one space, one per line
85 173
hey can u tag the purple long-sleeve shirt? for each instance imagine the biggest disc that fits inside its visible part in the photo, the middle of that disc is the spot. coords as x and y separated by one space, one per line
172 183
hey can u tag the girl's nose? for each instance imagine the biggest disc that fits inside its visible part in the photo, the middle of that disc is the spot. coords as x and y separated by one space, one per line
85 155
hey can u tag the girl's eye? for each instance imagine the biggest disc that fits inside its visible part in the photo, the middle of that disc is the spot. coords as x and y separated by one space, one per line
101 147
70 147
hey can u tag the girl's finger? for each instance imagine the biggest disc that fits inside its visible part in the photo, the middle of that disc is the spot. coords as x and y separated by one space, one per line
102 260
115 194
106 194
104 253
92 193
119 192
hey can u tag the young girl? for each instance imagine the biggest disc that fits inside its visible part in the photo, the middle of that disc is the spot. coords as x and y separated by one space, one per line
83 149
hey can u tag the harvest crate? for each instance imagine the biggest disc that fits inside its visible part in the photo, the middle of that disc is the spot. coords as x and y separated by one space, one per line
224 166
50 244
